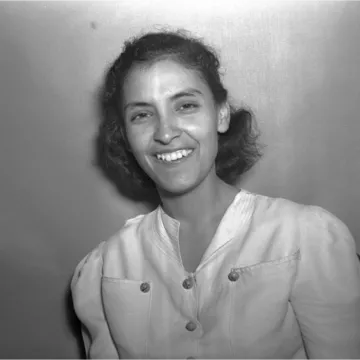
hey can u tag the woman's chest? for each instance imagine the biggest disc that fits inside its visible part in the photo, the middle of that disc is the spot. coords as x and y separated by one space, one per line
225 311
192 246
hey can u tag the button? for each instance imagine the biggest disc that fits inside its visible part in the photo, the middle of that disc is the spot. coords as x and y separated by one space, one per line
191 326
145 287
233 276
188 283
190 357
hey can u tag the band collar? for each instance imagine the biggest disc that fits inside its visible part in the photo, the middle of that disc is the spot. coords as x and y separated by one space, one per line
238 213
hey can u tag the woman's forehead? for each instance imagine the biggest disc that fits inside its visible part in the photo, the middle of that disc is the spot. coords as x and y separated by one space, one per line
162 79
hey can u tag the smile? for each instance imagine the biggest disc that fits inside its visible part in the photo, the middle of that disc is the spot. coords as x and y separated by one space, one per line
174 156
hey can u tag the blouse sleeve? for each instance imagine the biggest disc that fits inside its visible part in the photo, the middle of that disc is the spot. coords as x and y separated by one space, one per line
326 292
86 293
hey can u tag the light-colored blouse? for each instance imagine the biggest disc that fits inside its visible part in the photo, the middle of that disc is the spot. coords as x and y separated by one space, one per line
278 280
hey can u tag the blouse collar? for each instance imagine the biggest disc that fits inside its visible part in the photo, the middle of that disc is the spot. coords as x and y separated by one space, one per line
236 216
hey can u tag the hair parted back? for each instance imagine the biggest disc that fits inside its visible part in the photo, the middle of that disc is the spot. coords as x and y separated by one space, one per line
237 147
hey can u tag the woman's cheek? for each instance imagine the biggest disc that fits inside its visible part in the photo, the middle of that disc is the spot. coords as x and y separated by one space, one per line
139 137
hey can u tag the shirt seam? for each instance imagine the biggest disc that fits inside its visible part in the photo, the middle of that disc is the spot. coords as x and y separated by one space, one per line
155 234
288 258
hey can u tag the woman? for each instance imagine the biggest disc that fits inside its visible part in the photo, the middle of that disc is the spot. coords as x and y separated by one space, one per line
214 271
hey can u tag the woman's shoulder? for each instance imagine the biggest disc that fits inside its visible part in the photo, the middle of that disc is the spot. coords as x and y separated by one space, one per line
285 209
90 266
313 223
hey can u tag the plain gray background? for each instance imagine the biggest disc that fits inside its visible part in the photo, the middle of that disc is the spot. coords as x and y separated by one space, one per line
296 64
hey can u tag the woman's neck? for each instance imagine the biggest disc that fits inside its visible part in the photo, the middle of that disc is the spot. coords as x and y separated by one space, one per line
203 203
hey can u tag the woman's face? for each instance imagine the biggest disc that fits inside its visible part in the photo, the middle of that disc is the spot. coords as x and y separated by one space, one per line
172 123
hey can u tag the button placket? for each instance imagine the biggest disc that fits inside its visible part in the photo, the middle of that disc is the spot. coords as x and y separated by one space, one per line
189 284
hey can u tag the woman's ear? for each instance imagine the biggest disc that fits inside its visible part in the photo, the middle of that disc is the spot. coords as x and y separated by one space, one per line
223 117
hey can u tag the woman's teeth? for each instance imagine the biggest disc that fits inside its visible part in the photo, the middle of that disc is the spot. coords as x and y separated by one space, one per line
176 155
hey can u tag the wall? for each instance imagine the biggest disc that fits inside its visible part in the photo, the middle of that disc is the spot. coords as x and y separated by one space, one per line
295 63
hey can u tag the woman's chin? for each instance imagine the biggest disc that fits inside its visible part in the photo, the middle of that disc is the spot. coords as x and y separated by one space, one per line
176 188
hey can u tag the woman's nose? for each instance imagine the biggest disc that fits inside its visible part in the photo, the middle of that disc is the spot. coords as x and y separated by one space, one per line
166 130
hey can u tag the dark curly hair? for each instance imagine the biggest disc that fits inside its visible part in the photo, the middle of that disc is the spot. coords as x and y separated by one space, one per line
238 149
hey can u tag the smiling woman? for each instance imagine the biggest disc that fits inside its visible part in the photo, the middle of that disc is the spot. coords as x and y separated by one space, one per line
214 271
237 148
177 113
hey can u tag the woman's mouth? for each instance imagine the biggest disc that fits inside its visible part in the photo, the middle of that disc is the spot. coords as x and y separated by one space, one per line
175 156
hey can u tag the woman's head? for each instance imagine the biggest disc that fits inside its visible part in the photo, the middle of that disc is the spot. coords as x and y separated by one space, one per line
164 93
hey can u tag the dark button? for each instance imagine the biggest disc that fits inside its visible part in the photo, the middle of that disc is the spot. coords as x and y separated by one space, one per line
190 357
191 326
188 283
145 287
233 276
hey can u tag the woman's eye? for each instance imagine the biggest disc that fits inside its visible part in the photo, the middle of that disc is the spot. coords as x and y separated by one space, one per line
140 116
188 106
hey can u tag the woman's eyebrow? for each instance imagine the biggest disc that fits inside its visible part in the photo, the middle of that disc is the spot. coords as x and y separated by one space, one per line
186 92
136 104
